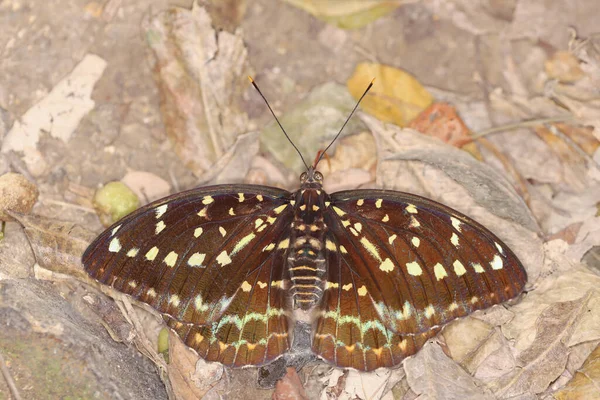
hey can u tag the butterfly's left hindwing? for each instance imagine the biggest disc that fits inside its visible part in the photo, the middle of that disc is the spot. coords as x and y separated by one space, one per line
403 266
208 259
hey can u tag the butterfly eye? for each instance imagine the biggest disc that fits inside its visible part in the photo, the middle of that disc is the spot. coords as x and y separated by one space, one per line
303 177
319 176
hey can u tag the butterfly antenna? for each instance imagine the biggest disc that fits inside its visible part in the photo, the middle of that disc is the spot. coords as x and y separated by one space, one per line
343 126
278 123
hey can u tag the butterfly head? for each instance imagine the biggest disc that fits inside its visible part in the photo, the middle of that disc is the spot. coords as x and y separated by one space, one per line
311 178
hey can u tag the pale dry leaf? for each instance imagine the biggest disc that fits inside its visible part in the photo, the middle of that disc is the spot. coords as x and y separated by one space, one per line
233 166
495 358
476 17
366 385
146 185
569 286
201 74
433 375
411 162
546 358
464 337
586 382
587 237
60 112
181 368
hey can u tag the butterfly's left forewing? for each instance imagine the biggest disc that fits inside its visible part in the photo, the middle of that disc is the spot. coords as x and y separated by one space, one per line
208 260
403 266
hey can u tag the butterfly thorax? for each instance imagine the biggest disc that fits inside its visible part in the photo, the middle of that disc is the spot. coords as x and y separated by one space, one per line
306 257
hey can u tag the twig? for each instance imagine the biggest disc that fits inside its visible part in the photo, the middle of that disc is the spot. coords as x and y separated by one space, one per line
522 124
9 380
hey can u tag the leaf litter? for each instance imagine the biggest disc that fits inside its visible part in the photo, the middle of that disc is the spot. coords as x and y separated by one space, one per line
543 344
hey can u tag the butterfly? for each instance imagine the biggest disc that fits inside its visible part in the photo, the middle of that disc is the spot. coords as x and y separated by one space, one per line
371 274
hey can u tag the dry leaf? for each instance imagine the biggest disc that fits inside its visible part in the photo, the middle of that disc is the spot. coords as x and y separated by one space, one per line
433 375
564 66
181 368
396 96
586 382
290 387
350 14
201 76
544 361
57 245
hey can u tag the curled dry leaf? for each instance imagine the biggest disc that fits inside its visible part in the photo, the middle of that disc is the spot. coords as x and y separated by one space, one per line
432 374
586 382
347 14
411 162
311 125
146 185
181 368
16 194
201 76
396 96
546 358
57 245
564 66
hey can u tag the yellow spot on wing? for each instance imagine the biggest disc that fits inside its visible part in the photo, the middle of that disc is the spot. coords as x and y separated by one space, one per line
243 243
414 268
246 286
413 222
410 208
478 268
258 223
392 238
222 231
160 225
284 244
339 211
231 212
202 213
259 197
429 311
362 291
116 228
453 306
329 245
347 287
500 249
171 259
385 218
269 247
378 203
331 285
207 200
114 246
358 226
343 249
370 247
151 254
196 260
459 268
360 202
198 232
454 239
415 241
439 271
262 285
387 265
174 300
151 293
241 197
133 252
315 208
223 258
279 209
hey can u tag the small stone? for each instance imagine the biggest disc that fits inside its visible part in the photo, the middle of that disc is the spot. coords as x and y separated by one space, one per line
16 194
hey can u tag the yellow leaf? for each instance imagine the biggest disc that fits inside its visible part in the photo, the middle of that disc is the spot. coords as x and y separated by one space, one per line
347 14
396 96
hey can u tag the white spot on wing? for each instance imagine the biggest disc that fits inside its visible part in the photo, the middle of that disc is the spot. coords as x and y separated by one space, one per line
411 208
160 210
454 239
222 231
160 225
151 254
116 228
246 286
207 200
392 238
378 203
415 241
478 268
132 252
439 271
114 245
496 262
456 223
500 249
387 265
196 260
171 259
198 232
459 268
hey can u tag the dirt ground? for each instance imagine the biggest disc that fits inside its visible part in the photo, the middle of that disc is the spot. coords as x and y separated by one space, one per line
158 98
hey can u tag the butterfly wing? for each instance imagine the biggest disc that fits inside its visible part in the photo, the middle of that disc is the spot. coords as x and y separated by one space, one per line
402 267
208 260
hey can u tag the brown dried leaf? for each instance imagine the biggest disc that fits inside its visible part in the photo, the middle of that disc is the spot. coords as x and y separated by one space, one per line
433 375
442 121
57 245
201 76
182 366
545 359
